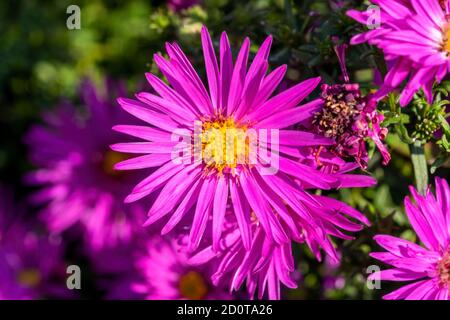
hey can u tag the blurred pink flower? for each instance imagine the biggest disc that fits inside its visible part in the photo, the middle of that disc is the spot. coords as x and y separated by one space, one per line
78 185
427 266
332 280
167 275
31 262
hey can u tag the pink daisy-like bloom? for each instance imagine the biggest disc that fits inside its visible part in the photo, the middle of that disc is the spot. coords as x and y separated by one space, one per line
349 118
167 275
427 266
31 262
78 185
415 38
239 100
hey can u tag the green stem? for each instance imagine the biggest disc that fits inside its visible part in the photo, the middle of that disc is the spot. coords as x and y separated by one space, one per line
419 162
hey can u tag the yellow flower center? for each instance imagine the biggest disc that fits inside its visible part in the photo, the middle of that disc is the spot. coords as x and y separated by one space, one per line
446 39
225 144
192 286
444 269
111 158
29 278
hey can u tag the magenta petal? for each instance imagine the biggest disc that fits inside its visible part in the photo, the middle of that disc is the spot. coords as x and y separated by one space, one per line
188 202
226 71
146 133
142 162
202 211
238 77
242 213
286 100
219 208
212 69
141 111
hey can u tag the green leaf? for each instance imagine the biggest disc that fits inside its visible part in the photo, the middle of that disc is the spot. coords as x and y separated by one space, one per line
420 166
439 162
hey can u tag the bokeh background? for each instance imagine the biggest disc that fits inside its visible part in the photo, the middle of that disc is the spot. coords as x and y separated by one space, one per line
43 63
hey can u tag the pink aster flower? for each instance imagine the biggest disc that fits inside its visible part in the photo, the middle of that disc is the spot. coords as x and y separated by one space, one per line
331 279
270 185
166 274
31 262
78 185
349 118
414 36
427 266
